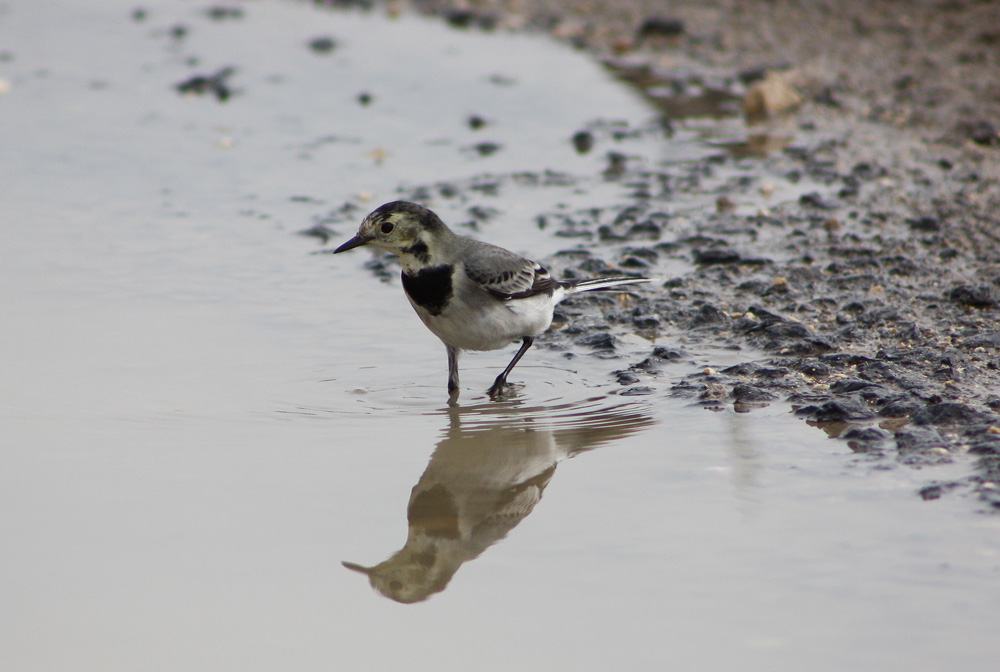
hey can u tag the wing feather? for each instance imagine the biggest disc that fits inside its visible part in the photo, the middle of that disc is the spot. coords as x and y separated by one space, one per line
506 275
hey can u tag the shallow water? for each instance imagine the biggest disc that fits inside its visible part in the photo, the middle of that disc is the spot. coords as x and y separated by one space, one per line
201 420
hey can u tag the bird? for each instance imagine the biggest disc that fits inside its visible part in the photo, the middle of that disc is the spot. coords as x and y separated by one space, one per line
470 294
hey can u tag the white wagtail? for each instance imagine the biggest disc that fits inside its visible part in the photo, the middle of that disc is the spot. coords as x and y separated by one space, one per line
470 294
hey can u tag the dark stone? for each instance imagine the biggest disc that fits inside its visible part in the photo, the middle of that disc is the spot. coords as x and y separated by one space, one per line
669 354
748 393
791 330
765 315
707 257
486 148
215 84
984 133
988 340
744 369
846 385
616 165
950 413
626 378
709 315
583 141
772 373
648 230
322 45
986 445
599 341
468 18
867 171
931 492
912 439
929 224
866 434
838 410
814 200
219 13
656 26
803 348
974 296
813 368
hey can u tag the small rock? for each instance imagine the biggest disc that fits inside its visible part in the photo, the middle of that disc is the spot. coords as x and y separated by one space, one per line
716 256
928 224
949 413
646 322
468 18
745 392
626 378
486 148
322 45
974 296
600 341
845 385
911 439
616 166
709 315
668 354
220 13
637 391
814 200
931 492
583 141
714 392
724 204
216 84
989 339
838 410
984 133
656 26
772 96
866 435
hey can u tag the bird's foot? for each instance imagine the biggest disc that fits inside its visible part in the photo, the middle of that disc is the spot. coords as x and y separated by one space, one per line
501 390
497 389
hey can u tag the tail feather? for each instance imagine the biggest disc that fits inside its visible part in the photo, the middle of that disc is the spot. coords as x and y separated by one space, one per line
601 283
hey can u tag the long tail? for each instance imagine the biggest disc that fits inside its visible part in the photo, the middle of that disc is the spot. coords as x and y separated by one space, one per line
601 283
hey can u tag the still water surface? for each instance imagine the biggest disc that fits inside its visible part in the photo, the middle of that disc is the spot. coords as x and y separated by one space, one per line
201 421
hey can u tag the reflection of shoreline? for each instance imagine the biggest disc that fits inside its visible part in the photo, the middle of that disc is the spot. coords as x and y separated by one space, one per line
484 477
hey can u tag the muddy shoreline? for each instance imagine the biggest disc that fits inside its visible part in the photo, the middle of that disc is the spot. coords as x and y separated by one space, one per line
876 298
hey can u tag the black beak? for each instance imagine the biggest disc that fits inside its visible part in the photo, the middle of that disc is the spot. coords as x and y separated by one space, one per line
356 241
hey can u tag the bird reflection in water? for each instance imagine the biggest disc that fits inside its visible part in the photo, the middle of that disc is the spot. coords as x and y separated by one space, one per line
484 478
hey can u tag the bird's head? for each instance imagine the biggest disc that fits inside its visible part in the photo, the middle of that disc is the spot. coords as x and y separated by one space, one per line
403 228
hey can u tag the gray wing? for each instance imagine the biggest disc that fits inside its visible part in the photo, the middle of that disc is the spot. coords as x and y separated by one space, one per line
506 275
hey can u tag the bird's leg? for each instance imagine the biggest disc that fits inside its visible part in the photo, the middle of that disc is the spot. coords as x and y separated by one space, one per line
501 380
452 372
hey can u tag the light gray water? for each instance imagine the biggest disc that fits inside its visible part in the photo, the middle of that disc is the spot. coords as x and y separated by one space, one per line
200 420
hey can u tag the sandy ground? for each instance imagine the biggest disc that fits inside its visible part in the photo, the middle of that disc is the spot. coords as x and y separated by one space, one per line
925 65
882 327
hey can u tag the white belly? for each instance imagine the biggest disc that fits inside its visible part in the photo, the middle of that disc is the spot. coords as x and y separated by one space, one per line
489 324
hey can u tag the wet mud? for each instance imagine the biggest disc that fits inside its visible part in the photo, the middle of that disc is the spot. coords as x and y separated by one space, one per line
873 294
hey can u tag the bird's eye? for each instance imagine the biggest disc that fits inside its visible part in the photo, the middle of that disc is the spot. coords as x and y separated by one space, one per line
388 227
